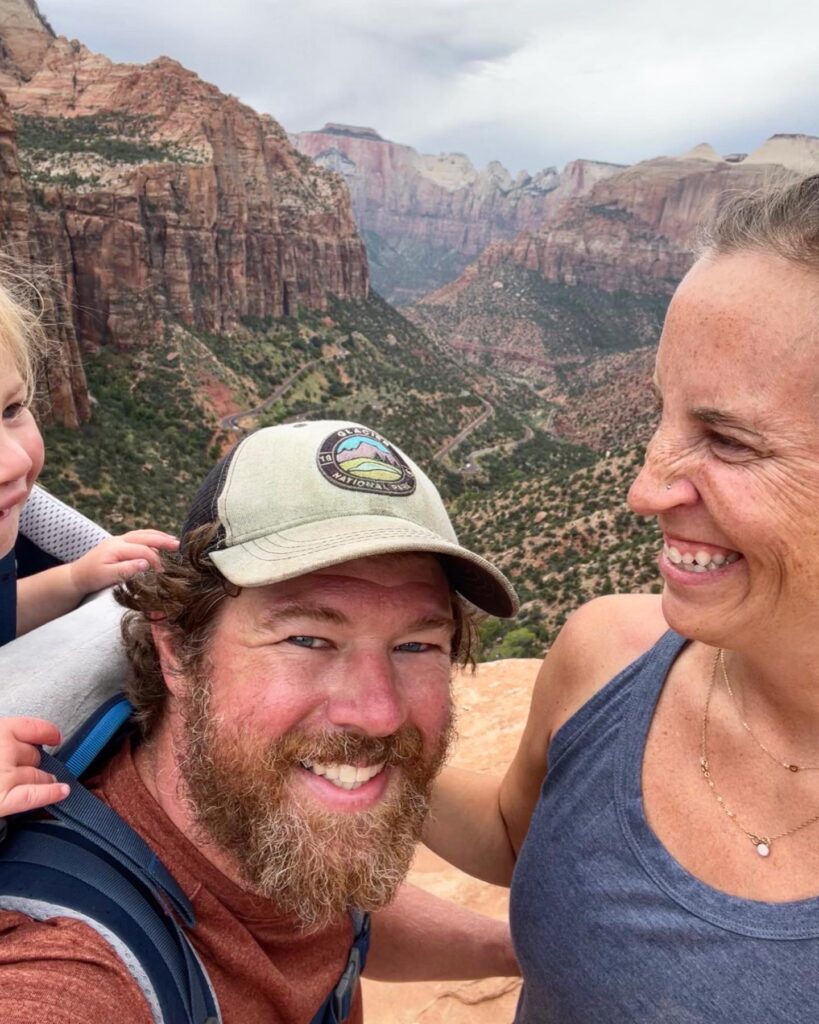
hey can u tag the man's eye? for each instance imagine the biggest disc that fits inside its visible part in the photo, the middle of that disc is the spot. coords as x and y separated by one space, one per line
311 642
414 647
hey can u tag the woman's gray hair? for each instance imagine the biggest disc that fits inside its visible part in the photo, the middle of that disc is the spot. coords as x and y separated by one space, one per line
781 220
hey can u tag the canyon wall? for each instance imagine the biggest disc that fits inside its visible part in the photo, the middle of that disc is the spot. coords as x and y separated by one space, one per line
425 218
156 196
596 276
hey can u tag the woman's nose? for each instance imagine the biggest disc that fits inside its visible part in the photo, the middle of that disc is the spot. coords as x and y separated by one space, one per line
661 484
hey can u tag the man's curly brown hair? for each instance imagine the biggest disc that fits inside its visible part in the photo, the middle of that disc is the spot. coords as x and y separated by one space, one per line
185 597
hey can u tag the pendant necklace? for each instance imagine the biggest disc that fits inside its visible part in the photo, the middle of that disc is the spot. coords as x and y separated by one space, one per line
762 843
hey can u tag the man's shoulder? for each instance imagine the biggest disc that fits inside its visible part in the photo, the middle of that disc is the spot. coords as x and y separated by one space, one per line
60 969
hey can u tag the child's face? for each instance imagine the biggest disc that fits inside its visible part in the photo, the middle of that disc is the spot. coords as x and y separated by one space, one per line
21 450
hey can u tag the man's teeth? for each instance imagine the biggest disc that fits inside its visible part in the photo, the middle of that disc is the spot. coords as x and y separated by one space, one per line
345 776
699 561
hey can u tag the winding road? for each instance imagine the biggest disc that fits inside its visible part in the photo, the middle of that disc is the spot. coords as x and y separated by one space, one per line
453 442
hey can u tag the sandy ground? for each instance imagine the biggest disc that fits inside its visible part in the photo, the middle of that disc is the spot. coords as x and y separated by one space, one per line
492 706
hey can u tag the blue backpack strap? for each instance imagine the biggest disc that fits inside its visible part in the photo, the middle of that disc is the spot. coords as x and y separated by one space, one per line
336 1007
8 598
89 864
49 870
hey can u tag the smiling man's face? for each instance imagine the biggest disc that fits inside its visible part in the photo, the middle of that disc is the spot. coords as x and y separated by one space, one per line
316 727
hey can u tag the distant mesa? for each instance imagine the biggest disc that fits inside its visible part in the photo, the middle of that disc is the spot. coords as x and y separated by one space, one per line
705 151
351 131
799 153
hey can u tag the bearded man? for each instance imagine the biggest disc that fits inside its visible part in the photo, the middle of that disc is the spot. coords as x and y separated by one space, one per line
291 679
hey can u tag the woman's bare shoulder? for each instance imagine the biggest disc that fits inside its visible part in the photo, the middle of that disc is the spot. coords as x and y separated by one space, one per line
599 640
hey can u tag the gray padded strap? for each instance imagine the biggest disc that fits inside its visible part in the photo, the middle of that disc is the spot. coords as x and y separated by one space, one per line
65 669
37 910
58 529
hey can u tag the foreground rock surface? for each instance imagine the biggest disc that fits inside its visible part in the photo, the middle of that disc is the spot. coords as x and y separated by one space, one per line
492 707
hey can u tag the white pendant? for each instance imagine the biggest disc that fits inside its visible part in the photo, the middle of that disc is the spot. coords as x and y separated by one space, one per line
763 849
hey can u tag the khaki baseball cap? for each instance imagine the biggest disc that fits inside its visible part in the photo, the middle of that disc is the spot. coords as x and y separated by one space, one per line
298 497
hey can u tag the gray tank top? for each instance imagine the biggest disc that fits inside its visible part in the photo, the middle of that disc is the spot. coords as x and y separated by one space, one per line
608 927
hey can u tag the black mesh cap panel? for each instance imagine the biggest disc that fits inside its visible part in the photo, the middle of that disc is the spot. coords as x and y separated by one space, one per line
204 507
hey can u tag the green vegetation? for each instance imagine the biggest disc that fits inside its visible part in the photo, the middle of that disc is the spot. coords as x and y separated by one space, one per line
145 450
549 512
70 151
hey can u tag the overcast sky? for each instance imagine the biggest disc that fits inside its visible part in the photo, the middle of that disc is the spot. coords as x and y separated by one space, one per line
528 82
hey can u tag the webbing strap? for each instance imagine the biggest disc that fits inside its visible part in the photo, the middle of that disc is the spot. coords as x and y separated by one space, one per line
8 598
103 826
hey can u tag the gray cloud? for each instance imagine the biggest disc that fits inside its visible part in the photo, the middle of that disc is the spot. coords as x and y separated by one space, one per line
529 83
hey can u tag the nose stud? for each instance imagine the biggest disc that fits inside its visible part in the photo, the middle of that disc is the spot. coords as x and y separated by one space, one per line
669 486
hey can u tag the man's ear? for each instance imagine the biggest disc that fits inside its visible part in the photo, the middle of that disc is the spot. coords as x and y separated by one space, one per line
168 662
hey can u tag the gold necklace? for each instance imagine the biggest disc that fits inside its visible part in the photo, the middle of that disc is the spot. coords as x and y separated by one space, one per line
776 760
762 843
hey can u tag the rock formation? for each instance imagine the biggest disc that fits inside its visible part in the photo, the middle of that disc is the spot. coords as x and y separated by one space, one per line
626 242
426 217
46 267
161 197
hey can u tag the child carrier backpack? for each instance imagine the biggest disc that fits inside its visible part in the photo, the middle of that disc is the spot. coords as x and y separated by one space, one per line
87 863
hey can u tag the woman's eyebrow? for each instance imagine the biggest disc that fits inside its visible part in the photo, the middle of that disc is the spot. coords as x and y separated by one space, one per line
719 418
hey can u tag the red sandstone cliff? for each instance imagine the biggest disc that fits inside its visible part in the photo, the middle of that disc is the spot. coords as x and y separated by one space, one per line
209 217
426 217
47 265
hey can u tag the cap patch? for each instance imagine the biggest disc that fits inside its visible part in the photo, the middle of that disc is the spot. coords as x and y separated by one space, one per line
358 459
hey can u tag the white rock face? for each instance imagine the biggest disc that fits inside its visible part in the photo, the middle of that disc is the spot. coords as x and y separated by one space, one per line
448 170
705 151
798 153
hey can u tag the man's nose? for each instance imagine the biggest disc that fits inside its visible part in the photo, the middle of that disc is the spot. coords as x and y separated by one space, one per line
368 698
662 483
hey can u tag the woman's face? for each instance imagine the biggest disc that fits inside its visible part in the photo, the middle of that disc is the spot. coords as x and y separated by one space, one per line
732 472
21 450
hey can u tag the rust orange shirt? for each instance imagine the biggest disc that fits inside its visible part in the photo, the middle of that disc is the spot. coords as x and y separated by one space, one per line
263 969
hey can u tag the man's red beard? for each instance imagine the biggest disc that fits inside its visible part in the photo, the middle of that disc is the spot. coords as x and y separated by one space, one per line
312 862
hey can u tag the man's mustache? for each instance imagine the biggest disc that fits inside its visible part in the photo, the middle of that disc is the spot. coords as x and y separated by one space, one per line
404 746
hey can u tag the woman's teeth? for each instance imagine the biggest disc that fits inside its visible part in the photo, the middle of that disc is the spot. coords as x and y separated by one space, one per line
345 776
699 561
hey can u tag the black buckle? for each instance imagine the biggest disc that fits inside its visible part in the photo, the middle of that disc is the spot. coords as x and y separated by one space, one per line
345 989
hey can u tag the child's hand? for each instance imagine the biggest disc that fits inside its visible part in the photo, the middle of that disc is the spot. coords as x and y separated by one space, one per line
23 786
117 558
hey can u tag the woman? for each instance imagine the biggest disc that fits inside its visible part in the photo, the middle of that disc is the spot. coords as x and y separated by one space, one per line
671 867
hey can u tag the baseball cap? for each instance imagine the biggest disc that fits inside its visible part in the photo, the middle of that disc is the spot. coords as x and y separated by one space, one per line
297 497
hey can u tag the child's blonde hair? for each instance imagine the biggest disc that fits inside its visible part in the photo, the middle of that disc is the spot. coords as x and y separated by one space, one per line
21 330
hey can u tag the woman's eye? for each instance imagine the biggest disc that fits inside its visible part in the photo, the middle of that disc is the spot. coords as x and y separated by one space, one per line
729 443
311 642
414 647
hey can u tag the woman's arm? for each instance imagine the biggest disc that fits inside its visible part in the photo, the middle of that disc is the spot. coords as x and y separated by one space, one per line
478 822
421 937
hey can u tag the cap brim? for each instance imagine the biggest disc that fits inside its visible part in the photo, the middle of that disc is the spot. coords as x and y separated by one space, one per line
311 546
